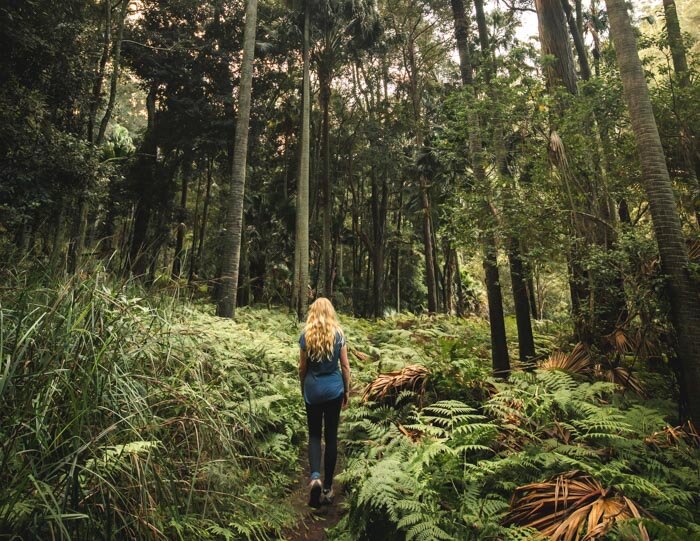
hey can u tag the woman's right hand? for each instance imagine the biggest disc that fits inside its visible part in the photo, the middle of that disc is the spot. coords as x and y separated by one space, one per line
346 400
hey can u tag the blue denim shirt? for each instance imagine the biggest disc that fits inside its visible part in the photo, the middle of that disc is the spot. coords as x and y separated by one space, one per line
324 380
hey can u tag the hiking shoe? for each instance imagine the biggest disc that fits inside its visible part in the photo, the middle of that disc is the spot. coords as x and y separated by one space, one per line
327 496
315 493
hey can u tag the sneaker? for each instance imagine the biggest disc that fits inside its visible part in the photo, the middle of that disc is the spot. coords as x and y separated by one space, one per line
315 493
327 496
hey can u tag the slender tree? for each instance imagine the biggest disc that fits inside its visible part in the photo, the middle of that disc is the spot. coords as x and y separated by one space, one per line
684 294
231 253
301 255
688 136
116 69
499 344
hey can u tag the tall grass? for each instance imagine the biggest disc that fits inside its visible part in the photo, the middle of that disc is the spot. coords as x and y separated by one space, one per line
119 419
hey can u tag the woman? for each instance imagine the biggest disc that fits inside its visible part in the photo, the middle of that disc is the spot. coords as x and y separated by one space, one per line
324 373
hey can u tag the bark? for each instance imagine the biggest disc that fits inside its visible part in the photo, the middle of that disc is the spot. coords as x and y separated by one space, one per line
195 227
301 279
461 307
231 250
145 171
378 202
688 136
554 40
683 291
197 260
499 346
116 65
579 16
324 98
675 42
577 36
423 183
448 279
397 252
526 341
483 30
100 74
181 219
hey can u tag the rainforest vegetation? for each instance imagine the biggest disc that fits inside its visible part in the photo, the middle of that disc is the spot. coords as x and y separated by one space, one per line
500 197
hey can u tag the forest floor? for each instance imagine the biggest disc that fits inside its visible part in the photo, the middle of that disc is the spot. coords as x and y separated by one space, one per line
313 523
220 401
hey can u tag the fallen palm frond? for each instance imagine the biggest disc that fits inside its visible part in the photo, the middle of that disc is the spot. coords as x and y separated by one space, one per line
572 506
643 343
580 362
359 355
577 362
694 250
620 375
412 377
672 436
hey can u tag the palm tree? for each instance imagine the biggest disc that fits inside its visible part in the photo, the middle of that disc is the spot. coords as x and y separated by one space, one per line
226 305
683 292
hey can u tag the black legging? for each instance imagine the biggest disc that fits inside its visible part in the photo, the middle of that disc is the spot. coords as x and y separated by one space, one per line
327 413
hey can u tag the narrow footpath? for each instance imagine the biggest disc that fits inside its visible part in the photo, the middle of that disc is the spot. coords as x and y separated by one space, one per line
313 523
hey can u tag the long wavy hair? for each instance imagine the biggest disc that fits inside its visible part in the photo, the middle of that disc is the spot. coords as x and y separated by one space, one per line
320 330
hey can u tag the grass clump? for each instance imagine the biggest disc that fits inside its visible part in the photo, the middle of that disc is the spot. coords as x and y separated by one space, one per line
126 417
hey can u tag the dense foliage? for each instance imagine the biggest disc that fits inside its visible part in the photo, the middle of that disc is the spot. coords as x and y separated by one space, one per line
148 418
509 190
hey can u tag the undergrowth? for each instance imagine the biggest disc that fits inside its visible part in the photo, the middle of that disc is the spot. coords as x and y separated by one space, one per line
126 416
133 418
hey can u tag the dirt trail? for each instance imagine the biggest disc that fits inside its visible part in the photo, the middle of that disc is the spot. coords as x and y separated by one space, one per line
312 523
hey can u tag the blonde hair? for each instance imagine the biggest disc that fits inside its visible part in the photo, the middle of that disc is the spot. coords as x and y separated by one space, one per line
320 330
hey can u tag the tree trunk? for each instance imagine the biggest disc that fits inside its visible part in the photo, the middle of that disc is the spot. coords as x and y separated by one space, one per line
195 225
378 202
116 65
301 279
578 41
499 345
181 219
688 137
100 74
231 250
526 341
145 170
461 307
430 280
197 257
675 42
554 40
324 100
397 252
684 293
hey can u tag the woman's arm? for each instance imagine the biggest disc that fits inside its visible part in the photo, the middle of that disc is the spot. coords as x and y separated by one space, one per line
302 368
345 369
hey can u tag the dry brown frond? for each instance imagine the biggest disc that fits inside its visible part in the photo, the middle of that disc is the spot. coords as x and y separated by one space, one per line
359 355
412 377
411 434
620 341
576 362
621 376
572 506
672 436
